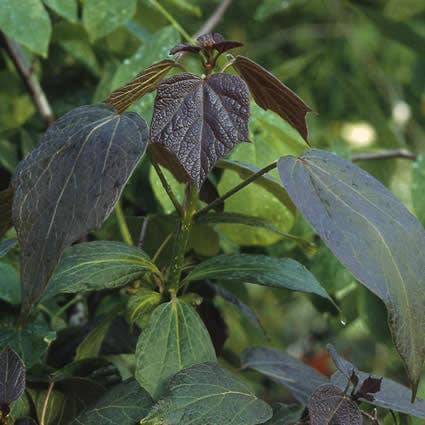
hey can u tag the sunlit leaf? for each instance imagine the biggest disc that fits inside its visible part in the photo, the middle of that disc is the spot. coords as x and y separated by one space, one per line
12 376
125 404
300 379
198 120
329 405
66 8
270 93
260 269
175 338
363 224
208 394
97 265
92 152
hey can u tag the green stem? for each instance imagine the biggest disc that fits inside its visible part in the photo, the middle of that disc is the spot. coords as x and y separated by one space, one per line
237 188
125 233
183 238
172 21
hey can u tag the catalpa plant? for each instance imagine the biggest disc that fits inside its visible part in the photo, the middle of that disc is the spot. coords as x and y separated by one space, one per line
71 182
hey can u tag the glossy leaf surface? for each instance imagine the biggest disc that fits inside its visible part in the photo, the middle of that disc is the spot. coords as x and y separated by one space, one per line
208 394
363 224
12 376
175 338
199 120
125 404
300 379
270 93
91 266
260 269
91 152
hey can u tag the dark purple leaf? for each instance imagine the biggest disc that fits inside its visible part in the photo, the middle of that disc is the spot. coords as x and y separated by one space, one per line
185 47
373 234
270 93
328 405
300 379
6 199
199 120
216 41
370 386
69 184
143 83
12 376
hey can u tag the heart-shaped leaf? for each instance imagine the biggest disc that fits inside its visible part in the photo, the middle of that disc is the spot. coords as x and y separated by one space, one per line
270 93
373 234
175 338
328 405
300 379
208 394
12 376
198 120
91 152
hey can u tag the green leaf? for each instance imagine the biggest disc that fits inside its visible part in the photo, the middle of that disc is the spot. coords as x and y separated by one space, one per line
141 305
92 153
125 404
260 269
286 414
371 233
300 379
30 341
272 7
418 188
208 394
92 266
26 22
187 5
10 286
6 246
101 17
66 8
174 339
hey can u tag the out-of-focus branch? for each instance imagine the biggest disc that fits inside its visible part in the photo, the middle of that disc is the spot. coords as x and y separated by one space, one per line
389 154
22 65
214 19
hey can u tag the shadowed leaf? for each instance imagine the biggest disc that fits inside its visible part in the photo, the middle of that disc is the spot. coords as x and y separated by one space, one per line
12 376
343 365
199 120
329 405
91 152
208 394
6 200
6 246
25 421
286 414
363 224
270 93
300 379
143 83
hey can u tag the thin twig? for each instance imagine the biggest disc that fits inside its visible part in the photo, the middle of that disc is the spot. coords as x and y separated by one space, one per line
24 68
237 188
214 19
46 402
389 154
168 189
143 231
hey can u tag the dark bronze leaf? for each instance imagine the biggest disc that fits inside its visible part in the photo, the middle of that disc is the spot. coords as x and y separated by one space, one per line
185 47
6 199
12 376
328 405
69 184
370 386
270 93
143 83
199 120
216 41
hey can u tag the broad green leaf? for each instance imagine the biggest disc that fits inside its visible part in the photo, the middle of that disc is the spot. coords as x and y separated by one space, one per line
12 376
418 188
260 269
30 341
125 404
10 290
26 22
141 305
66 8
402 10
6 246
208 394
92 266
101 17
300 379
371 233
175 338
92 153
